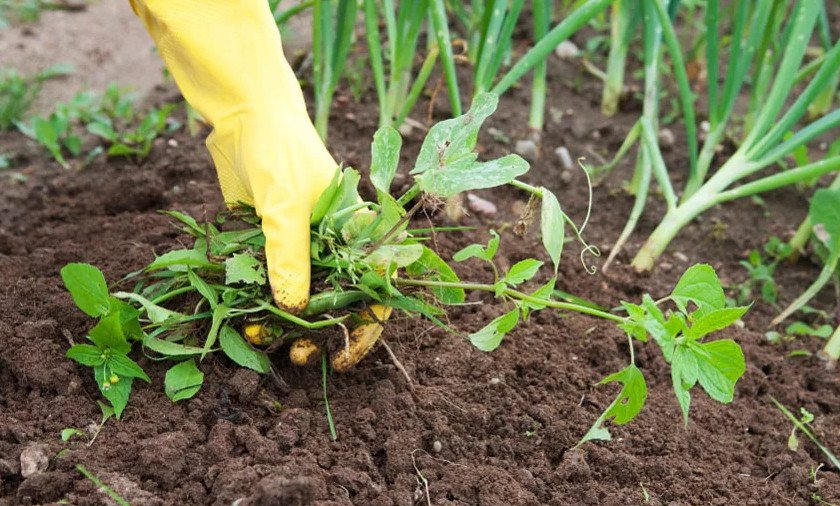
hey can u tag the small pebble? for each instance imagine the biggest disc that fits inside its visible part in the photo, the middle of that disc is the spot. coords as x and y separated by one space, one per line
666 138
705 126
567 50
33 460
681 257
172 143
526 148
405 129
480 205
437 447
565 157
666 266
495 381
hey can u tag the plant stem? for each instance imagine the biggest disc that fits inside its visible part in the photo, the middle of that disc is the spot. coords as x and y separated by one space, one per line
514 294
542 19
441 28
621 29
330 422
832 347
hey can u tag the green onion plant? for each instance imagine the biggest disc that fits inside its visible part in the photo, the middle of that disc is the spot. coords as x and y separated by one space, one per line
333 23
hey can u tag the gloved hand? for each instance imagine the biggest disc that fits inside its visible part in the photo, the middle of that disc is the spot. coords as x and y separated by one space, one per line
226 58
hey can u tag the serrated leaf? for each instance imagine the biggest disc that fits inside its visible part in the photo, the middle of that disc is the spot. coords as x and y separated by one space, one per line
522 271
385 158
715 320
720 365
490 337
108 334
124 367
183 380
699 284
86 354
244 268
88 288
552 227
238 350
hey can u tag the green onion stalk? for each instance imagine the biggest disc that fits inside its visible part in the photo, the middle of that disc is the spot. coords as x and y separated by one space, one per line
332 37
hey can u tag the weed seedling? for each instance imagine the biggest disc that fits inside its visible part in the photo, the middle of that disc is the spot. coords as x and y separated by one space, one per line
189 303
802 425
17 92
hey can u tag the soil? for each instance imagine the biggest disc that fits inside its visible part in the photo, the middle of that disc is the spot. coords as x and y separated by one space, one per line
473 428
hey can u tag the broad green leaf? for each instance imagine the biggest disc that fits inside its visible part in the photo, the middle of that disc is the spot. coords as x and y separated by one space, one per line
129 318
325 200
238 350
202 287
683 377
179 260
86 354
244 268
625 407
385 157
124 367
156 314
720 365
183 380
116 393
346 196
825 218
399 255
69 433
552 227
431 266
468 174
447 165
802 329
522 271
714 321
478 251
88 288
170 349
699 284
108 334
490 337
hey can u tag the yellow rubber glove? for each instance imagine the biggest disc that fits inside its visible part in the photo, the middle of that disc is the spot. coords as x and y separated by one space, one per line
226 58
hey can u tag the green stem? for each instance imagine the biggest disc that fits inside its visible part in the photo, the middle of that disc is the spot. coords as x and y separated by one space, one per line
824 277
324 366
441 28
509 292
542 16
832 347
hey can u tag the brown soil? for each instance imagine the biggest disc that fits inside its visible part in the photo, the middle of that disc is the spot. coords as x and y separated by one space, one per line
476 428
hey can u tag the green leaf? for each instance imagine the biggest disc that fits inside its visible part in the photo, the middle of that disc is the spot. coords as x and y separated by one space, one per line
825 218
179 260
88 288
244 268
325 200
129 318
432 266
720 365
447 165
715 320
544 292
477 251
346 196
552 227
202 287
116 393
124 367
802 329
86 354
219 315
169 348
626 406
183 381
699 284
385 157
490 337
399 255
192 226
238 350
69 433
716 365
522 271
156 314
108 334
